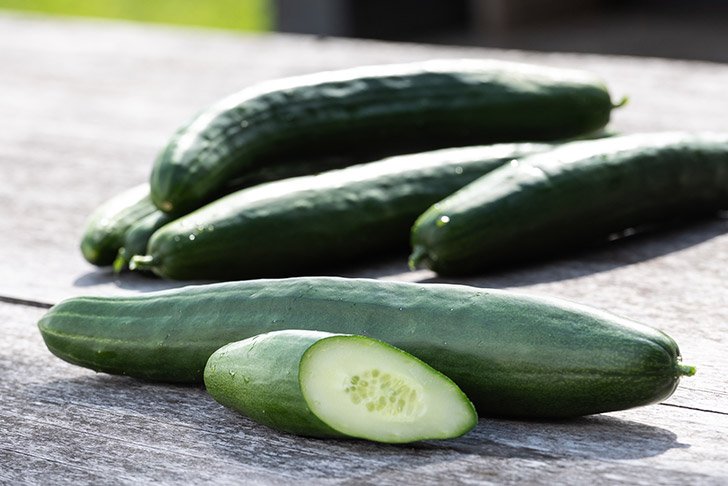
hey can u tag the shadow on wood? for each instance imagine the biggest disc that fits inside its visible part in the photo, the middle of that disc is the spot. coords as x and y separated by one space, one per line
117 404
137 281
596 258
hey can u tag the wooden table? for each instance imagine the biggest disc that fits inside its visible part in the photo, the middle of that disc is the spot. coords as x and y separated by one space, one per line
86 105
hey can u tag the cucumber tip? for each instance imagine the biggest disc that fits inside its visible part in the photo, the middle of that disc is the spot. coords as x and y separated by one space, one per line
120 263
141 262
622 101
685 370
419 258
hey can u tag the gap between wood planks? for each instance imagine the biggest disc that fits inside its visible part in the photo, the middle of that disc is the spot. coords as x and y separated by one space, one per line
29 303
46 305
692 408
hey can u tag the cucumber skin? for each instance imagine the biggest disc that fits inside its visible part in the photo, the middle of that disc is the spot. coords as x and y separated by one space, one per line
258 377
308 224
380 110
512 354
575 194
105 228
137 237
138 233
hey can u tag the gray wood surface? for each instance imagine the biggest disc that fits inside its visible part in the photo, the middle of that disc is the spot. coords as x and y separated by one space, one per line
84 108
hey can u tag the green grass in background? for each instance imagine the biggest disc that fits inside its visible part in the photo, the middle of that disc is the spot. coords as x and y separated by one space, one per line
247 15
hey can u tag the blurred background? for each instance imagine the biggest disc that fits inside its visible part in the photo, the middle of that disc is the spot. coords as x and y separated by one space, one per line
680 29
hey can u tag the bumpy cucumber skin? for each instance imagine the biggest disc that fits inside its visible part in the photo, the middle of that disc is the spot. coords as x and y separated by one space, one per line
377 109
307 224
577 193
138 233
104 231
137 238
512 354
258 377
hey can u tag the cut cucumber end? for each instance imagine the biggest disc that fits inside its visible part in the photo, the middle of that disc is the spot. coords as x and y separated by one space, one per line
367 389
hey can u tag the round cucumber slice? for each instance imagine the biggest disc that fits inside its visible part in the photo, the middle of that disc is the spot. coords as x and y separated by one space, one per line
368 389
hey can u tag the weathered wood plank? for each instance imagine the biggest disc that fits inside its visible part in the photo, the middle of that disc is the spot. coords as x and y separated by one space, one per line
70 425
91 115
85 107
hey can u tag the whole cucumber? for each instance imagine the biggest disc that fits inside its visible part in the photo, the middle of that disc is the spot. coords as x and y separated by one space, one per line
375 110
512 354
104 230
333 385
125 223
311 223
579 192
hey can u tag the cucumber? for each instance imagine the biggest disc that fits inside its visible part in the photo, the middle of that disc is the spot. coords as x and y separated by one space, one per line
578 193
105 229
137 233
375 110
331 385
512 354
311 223
137 238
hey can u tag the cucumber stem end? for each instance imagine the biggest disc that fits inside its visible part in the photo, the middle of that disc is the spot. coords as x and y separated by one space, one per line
418 258
685 370
120 263
142 262
622 101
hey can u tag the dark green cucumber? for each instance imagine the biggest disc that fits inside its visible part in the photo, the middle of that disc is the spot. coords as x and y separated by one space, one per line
137 234
310 223
577 193
137 238
375 110
332 385
512 354
104 232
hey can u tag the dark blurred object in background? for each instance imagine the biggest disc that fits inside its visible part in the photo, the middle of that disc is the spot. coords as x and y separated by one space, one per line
683 29
377 19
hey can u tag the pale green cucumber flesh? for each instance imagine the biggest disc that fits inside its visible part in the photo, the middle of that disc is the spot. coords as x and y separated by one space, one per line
368 389
321 384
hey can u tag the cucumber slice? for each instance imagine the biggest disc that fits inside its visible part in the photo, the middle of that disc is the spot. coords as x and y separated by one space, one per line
368 389
330 385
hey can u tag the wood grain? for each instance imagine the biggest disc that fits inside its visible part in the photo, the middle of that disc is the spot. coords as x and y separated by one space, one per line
70 425
84 108
87 105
